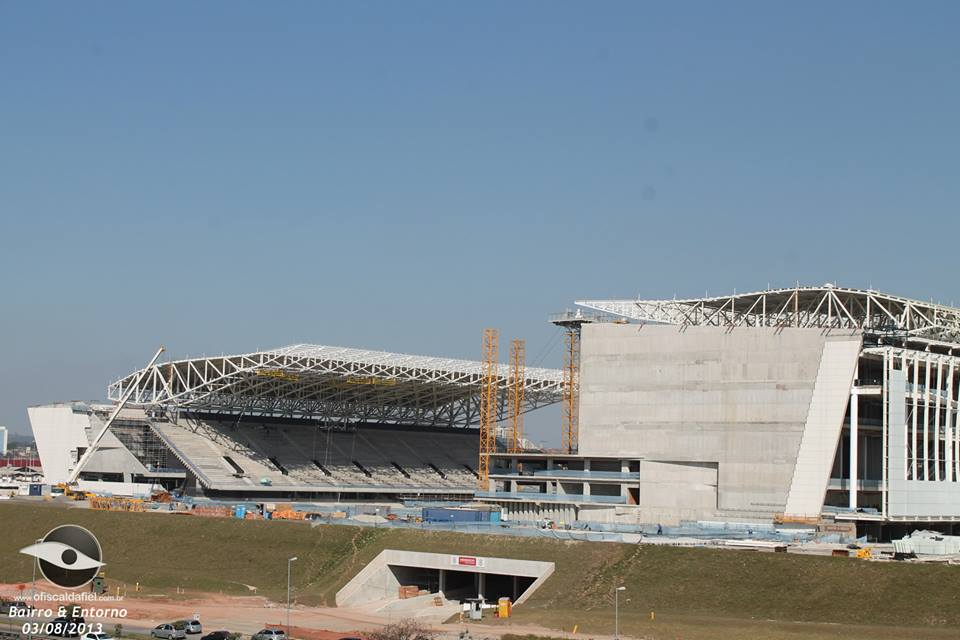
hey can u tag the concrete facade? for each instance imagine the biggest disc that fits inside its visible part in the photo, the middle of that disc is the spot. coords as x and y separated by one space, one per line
716 415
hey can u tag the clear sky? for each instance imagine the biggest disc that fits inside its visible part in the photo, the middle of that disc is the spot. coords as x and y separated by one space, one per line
223 176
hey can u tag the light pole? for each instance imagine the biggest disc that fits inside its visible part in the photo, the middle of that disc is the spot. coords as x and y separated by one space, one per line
289 563
33 587
616 612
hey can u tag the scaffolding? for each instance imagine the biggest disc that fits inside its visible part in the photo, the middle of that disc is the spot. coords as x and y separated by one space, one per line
518 356
144 444
488 405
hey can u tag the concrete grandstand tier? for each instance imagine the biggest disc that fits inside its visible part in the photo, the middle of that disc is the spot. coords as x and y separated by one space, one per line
332 383
258 456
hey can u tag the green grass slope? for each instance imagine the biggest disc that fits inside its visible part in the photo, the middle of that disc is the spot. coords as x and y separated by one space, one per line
164 551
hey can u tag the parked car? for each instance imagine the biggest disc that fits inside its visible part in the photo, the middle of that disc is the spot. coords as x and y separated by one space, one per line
269 634
189 626
168 632
96 636
218 635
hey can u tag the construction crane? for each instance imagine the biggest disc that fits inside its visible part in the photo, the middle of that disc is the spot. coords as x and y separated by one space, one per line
488 405
518 356
571 323
571 388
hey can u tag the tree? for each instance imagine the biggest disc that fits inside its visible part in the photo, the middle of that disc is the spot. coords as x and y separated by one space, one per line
406 629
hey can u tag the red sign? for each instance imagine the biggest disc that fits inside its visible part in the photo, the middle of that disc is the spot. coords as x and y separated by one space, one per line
467 560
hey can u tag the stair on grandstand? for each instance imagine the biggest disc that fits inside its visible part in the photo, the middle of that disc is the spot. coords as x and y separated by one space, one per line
213 463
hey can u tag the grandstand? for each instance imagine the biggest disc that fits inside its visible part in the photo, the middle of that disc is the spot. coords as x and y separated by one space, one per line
305 422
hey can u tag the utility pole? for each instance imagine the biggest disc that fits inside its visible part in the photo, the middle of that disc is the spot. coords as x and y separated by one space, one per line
33 588
616 612
290 561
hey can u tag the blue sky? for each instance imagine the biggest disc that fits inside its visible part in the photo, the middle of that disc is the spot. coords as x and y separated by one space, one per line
219 177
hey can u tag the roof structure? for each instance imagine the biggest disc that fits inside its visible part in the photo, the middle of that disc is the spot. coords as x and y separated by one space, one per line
334 384
826 306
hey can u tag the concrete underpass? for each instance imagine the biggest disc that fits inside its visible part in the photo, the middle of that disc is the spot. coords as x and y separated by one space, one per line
454 577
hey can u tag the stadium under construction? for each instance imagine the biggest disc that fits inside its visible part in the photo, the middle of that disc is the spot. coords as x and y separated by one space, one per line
797 406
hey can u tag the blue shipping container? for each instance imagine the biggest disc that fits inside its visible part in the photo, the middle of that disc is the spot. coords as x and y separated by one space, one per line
440 514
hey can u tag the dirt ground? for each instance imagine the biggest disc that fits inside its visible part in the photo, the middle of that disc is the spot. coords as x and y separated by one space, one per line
248 614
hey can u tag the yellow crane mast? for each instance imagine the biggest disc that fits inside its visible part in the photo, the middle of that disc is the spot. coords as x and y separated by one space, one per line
518 356
488 405
571 388
572 322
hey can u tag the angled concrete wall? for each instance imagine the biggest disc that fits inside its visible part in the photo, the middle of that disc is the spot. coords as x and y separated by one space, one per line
821 432
60 431
734 399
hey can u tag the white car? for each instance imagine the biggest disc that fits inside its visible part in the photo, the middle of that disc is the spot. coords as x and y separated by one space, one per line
189 626
269 634
168 632
96 636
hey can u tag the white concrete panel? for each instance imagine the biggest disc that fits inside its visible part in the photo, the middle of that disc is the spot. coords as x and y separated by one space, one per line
818 447
59 431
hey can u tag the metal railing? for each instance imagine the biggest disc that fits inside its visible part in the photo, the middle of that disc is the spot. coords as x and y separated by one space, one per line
551 497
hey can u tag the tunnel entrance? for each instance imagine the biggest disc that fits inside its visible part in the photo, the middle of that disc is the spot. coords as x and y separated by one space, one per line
460 585
392 574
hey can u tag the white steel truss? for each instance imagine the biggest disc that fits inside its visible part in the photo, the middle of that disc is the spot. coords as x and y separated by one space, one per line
334 384
826 306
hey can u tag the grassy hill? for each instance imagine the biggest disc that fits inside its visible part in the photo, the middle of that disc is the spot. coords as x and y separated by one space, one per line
163 551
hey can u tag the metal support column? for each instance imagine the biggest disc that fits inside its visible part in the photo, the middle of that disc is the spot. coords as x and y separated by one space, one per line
916 410
936 422
926 420
950 427
854 446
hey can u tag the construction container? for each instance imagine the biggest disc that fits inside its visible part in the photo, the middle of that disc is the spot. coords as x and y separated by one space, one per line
36 489
444 514
408 591
240 511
